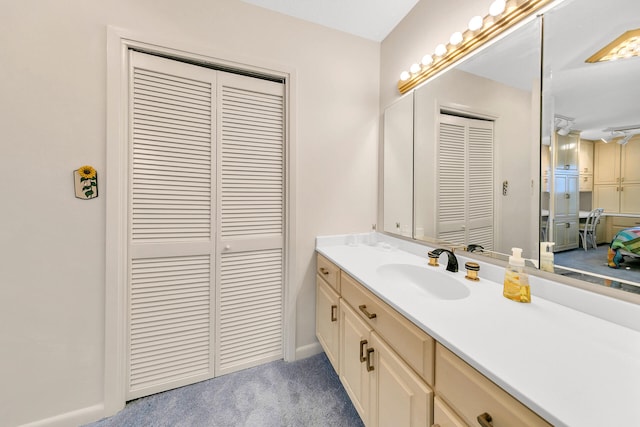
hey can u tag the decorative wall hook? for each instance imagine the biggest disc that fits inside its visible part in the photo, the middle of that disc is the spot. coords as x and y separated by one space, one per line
86 182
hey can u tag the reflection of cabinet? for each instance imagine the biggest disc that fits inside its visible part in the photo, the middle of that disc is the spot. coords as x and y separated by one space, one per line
617 176
565 212
566 153
585 164
617 223
545 167
388 367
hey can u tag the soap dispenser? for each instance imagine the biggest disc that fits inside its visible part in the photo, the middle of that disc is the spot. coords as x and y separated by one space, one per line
516 281
546 256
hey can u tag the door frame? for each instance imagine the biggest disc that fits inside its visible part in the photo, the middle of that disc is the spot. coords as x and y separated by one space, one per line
119 41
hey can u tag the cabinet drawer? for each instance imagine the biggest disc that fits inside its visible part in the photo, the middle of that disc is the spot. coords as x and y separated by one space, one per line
410 342
625 221
471 394
586 182
328 271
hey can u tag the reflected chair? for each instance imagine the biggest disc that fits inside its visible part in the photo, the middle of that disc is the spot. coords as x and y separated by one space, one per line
588 229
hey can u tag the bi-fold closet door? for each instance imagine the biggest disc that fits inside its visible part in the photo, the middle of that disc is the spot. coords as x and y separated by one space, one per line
206 223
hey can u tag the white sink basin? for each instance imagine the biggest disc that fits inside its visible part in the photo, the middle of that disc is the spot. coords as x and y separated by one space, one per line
432 283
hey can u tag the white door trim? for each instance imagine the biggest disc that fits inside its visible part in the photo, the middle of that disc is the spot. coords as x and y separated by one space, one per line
118 43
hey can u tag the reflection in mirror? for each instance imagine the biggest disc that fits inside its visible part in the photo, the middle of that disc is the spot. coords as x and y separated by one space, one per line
476 152
398 173
591 144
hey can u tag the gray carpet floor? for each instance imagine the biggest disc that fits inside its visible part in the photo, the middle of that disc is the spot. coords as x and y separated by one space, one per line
595 261
302 393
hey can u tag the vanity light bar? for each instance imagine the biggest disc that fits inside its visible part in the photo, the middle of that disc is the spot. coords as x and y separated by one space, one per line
625 46
503 14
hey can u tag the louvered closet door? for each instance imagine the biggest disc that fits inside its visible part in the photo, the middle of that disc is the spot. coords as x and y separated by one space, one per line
251 228
171 224
465 181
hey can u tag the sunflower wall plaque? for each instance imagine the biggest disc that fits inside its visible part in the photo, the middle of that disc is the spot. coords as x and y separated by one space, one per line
86 182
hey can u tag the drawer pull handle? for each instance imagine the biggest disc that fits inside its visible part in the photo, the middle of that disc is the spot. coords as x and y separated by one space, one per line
369 364
363 308
363 343
324 271
334 313
485 420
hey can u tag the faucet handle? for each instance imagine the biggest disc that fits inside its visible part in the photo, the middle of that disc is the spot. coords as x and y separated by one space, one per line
433 258
472 271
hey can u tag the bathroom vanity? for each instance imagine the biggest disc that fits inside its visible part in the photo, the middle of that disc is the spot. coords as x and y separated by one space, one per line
416 345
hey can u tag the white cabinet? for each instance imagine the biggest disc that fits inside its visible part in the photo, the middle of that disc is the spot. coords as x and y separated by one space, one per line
566 153
565 211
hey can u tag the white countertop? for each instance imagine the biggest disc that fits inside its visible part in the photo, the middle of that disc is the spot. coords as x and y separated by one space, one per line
571 367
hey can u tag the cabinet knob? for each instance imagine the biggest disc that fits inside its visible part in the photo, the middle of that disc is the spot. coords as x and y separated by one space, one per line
324 271
334 313
485 420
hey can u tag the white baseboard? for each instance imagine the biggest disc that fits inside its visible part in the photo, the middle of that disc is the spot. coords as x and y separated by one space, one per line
308 350
73 418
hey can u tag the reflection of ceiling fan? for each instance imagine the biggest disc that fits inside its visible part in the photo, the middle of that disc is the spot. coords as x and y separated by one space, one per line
625 133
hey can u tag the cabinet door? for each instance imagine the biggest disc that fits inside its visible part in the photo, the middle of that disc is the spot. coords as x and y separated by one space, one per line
630 172
566 195
630 198
566 235
607 197
607 163
585 161
327 325
354 343
566 158
443 416
586 182
398 396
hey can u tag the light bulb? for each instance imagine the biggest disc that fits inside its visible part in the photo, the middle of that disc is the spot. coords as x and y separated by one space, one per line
475 23
497 7
441 50
404 76
427 60
414 68
456 38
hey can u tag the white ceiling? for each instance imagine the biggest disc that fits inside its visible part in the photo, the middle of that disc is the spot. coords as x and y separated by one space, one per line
371 19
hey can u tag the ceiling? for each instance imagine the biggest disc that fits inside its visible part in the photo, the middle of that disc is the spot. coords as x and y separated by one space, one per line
598 96
370 19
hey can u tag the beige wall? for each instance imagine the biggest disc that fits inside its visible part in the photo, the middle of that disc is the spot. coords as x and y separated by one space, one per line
53 120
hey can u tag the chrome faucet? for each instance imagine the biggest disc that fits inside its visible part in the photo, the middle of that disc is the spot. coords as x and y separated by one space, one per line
452 261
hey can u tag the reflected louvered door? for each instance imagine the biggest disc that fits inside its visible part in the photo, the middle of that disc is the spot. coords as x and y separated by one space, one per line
251 222
451 181
465 181
171 224
480 183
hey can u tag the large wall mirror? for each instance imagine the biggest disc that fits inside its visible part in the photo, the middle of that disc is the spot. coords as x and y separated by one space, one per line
492 138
